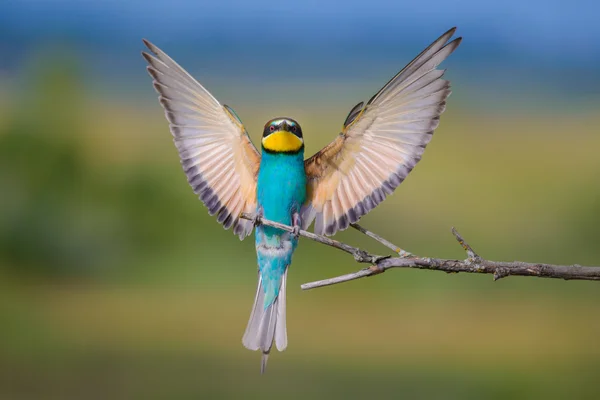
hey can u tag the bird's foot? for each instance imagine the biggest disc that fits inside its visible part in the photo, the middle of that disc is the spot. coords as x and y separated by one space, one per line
296 231
296 223
256 219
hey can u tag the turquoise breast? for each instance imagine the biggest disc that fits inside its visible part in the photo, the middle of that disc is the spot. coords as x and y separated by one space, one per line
281 188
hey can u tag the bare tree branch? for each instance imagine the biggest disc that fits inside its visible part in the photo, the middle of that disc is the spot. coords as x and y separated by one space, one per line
389 245
472 264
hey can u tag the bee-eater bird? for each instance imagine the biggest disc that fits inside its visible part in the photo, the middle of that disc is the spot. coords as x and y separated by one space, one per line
380 143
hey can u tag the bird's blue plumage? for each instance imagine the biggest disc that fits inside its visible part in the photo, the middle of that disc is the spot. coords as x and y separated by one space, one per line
280 194
281 191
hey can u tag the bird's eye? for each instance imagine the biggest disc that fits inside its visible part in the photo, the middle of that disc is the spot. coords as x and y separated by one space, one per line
271 128
294 129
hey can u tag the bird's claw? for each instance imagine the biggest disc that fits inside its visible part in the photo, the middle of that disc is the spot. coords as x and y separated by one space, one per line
256 220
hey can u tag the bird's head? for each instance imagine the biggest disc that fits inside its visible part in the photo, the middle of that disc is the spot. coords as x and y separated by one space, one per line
282 135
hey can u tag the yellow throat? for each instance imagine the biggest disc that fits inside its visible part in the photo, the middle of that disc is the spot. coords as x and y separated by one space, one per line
282 141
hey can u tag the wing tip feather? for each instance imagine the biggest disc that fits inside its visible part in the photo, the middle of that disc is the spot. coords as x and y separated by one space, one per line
453 45
151 46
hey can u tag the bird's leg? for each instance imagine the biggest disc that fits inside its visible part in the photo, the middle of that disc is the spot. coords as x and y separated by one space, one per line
296 223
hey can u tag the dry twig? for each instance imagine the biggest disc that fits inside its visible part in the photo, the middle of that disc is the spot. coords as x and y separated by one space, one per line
472 264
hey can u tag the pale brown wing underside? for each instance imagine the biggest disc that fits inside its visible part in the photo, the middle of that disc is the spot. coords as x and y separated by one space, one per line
380 143
219 160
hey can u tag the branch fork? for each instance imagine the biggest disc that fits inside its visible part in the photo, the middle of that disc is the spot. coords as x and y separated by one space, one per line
474 263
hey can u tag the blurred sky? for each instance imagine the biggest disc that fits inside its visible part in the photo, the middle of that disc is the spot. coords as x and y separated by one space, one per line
551 45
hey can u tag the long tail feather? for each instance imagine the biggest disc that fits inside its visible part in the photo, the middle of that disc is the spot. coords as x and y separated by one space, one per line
267 325
263 363
280 327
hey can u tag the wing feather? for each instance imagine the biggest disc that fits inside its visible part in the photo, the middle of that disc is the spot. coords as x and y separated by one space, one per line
380 143
219 160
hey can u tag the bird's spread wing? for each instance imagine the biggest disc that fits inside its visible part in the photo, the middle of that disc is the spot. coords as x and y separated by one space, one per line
220 161
379 144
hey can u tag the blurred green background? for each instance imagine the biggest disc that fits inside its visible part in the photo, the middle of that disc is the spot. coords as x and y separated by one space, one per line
115 283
